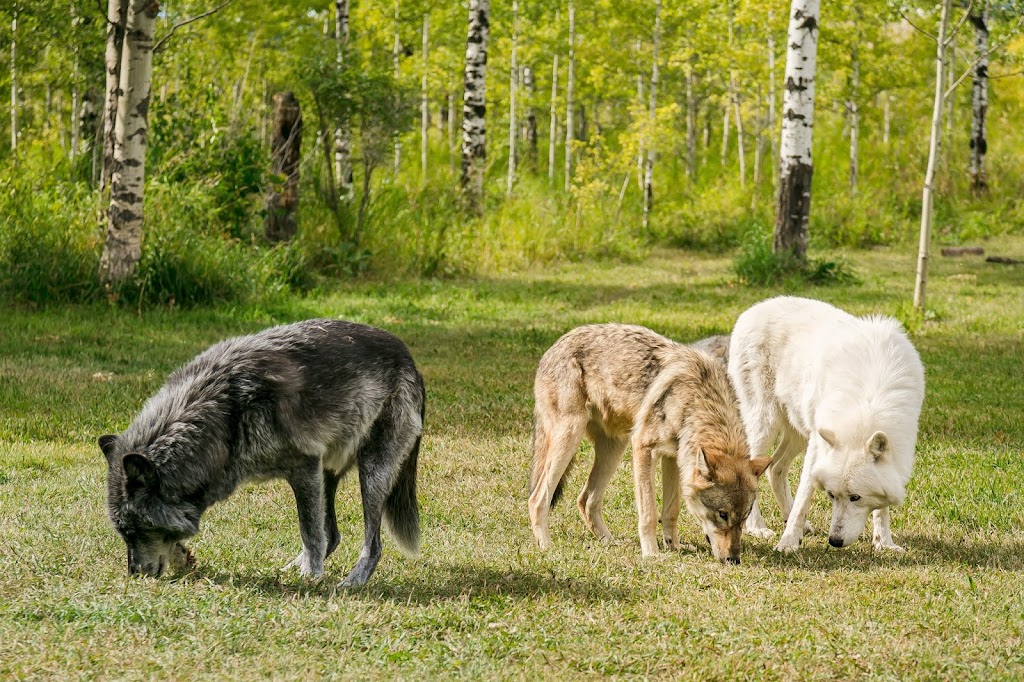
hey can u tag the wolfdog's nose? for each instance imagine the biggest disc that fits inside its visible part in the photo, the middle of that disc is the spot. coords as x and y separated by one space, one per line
834 541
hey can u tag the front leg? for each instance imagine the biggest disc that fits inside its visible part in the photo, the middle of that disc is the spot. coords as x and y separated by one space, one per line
670 502
794 533
307 483
882 538
646 503
755 524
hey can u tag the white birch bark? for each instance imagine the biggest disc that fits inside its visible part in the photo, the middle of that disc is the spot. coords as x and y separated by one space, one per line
451 131
570 83
75 104
14 80
927 194
513 74
979 99
553 132
640 155
395 52
424 110
795 168
734 102
691 122
117 13
342 134
772 135
854 110
652 115
886 118
530 132
474 107
726 118
122 247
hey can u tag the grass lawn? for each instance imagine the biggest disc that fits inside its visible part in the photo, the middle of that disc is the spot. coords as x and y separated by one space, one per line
482 601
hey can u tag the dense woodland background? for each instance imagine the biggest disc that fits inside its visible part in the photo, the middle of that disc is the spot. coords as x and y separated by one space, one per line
712 140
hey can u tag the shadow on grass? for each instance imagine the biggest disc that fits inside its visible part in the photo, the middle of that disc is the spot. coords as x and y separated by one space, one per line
921 550
430 584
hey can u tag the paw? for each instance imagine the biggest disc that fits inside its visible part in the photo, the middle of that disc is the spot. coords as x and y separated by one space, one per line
307 569
808 528
788 545
763 532
888 545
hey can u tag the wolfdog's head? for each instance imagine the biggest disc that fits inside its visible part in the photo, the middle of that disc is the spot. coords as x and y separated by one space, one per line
152 527
720 494
859 476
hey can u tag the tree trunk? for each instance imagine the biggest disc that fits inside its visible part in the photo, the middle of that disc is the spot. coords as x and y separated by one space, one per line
927 194
652 115
14 81
342 134
771 99
726 117
513 74
886 118
554 120
395 52
123 245
852 107
451 131
424 104
281 201
640 154
531 119
979 99
474 107
734 101
117 14
569 86
691 122
793 207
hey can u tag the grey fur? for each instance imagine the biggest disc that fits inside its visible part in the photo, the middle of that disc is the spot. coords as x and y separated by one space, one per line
715 346
304 402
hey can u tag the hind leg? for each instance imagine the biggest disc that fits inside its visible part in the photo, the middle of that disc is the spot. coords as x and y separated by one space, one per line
307 483
554 447
331 480
607 453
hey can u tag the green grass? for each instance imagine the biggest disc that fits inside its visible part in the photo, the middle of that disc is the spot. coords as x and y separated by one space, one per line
482 601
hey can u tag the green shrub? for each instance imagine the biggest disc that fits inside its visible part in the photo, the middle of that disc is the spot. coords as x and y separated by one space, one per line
757 264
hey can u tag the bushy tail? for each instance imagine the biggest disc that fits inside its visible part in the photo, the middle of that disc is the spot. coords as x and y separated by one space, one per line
401 509
536 465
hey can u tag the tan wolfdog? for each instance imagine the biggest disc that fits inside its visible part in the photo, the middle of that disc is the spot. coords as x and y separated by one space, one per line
617 384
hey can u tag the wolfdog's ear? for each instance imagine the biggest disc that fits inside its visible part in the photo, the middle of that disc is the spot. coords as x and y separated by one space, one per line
828 436
878 445
760 465
107 444
139 472
705 465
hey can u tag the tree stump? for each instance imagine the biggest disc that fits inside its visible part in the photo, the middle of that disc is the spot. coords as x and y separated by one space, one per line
283 194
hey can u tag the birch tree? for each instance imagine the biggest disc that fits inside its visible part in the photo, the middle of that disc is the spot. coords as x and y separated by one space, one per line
570 83
553 125
122 247
14 80
793 205
424 110
474 107
513 78
283 196
117 14
651 114
979 97
342 134
928 192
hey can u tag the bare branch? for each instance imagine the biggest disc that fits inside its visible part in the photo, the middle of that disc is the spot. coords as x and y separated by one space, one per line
991 51
159 44
964 18
913 25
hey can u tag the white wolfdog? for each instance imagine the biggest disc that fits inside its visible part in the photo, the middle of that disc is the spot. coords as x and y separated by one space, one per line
847 389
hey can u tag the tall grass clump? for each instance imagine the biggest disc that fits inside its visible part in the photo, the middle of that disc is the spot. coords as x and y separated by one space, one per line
757 264
49 240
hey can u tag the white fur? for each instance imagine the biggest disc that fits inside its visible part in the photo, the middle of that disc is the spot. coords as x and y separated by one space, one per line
847 389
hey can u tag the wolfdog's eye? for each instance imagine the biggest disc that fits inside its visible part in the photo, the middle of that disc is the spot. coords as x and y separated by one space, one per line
831 496
723 515
854 498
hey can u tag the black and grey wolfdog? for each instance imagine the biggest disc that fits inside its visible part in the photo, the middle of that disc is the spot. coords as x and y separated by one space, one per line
303 402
